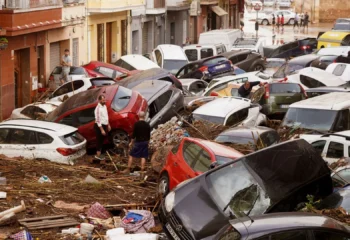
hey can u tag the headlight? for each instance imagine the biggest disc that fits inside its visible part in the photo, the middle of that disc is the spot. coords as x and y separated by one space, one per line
169 201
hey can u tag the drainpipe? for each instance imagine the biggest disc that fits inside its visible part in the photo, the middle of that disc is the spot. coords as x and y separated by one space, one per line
165 21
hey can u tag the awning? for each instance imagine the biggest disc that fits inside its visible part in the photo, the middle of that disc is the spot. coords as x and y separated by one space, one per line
219 11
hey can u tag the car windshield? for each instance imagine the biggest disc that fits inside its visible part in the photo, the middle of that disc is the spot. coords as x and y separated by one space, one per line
274 64
233 187
234 139
315 119
287 69
284 88
121 99
222 160
213 119
342 26
174 65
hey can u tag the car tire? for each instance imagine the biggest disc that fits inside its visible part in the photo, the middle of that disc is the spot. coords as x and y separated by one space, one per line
291 21
265 22
163 185
258 67
119 138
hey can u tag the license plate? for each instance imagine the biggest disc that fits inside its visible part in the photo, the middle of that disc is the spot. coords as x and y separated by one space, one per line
171 231
220 66
284 106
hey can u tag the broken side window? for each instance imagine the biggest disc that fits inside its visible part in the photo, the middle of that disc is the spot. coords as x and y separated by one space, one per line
319 146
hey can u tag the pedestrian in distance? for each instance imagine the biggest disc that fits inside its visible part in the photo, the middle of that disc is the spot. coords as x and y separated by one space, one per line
282 23
306 21
139 143
302 17
273 22
66 63
296 21
102 126
245 90
278 22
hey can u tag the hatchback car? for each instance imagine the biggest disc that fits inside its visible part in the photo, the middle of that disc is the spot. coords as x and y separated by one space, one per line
292 49
206 69
190 158
123 106
74 74
164 100
34 139
33 111
95 68
314 92
341 70
135 62
258 183
329 55
266 19
245 59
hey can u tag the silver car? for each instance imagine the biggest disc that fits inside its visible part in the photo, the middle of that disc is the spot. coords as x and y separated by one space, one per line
288 17
284 3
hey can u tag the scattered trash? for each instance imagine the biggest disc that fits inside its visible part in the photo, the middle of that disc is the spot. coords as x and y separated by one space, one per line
70 206
86 228
106 223
17 209
23 235
2 181
8 219
48 222
44 179
70 231
90 179
3 195
119 234
138 224
40 200
137 174
98 211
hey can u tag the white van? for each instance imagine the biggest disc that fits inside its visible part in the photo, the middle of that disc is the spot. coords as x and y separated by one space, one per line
256 45
170 57
225 36
196 52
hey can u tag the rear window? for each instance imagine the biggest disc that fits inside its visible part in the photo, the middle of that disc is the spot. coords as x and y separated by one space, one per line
192 54
121 99
284 88
102 82
310 82
73 138
207 52
213 119
214 61
77 71
121 63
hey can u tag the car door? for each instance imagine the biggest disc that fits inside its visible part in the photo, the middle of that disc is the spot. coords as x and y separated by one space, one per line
22 143
164 110
334 152
44 147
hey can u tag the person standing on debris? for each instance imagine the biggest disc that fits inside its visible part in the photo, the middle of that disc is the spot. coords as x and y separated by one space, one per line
282 23
66 63
102 126
245 90
139 143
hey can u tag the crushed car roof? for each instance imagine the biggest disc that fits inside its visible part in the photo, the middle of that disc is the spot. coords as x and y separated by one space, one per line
330 101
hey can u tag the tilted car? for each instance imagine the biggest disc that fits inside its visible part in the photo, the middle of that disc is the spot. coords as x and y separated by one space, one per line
135 62
96 68
75 73
314 92
246 59
33 111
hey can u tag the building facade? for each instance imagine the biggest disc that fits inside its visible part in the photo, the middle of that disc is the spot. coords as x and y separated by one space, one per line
177 22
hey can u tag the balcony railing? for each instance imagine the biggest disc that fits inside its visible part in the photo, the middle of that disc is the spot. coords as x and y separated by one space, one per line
27 4
67 2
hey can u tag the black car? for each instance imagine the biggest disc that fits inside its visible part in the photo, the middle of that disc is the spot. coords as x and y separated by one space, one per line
150 74
246 59
286 226
291 49
206 68
274 179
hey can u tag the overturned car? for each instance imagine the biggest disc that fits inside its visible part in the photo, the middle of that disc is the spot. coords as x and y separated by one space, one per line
275 179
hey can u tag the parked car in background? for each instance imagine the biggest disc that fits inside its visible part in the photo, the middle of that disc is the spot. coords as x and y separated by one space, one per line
135 62
239 188
269 3
341 70
95 69
34 139
70 88
343 27
75 73
195 86
256 137
164 100
342 20
296 225
206 69
291 49
196 52
326 113
272 65
252 44
284 4
123 106
333 39
220 36
33 111
170 57
313 77
246 60
266 19
150 74
231 111
190 158
314 92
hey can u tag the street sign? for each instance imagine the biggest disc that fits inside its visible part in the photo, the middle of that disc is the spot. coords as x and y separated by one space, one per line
257 7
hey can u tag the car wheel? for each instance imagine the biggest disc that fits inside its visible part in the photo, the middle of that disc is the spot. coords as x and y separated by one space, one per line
258 67
163 185
119 138
291 21
265 22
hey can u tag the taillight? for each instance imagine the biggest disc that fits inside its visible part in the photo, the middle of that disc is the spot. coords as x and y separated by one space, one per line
267 91
66 151
305 47
203 69
51 78
335 60
214 94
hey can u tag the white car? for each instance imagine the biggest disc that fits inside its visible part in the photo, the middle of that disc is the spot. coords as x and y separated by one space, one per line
331 146
311 77
266 19
231 111
220 83
34 139
33 111
77 86
135 62
341 70
196 52
74 74
170 57
194 86
253 44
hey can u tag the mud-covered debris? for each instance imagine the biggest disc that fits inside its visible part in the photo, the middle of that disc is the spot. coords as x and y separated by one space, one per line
340 163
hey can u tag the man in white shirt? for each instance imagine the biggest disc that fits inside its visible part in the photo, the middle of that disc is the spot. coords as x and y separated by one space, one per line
102 126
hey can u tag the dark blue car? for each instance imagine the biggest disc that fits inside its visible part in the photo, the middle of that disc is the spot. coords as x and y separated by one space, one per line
207 68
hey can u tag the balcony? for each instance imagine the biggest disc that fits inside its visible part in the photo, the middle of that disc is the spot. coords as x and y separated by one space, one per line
73 13
108 6
155 7
178 5
209 2
31 5
73 2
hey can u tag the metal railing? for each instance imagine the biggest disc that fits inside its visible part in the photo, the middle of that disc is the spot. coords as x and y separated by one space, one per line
27 4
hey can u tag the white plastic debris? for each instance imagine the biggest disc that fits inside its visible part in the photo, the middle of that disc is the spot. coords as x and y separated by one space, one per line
70 231
90 179
44 179
119 234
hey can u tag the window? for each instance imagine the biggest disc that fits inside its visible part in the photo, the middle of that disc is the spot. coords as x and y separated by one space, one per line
44 138
102 82
339 69
163 99
20 136
220 49
191 151
324 235
269 138
78 84
152 110
64 89
4 132
196 87
32 111
203 162
121 99
108 72
310 82
342 177
284 88
234 60
125 65
158 57
72 138
290 235
342 121
77 71
214 61
207 52
335 150
242 57
319 146
79 118
237 117
192 54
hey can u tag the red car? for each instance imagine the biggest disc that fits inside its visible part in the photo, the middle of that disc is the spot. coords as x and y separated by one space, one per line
101 69
123 106
190 158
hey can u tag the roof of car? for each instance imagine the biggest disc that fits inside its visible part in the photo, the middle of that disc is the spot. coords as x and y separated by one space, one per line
38 125
47 106
276 222
320 75
151 88
329 89
139 62
109 65
171 51
149 74
236 52
188 81
219 149
330 101
206 59
305 59
221 107
246 132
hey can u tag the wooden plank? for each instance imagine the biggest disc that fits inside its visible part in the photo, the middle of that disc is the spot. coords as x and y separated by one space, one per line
42 218
48 222
54 226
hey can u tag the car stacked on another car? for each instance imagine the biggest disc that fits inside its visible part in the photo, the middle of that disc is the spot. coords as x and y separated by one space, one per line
135 62
74 74
95 69
33 111
246 60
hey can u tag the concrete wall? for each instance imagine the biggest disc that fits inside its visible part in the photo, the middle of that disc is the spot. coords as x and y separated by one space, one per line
177 17
330 10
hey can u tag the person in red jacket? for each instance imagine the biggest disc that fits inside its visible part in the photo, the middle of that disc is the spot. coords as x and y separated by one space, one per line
278 22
